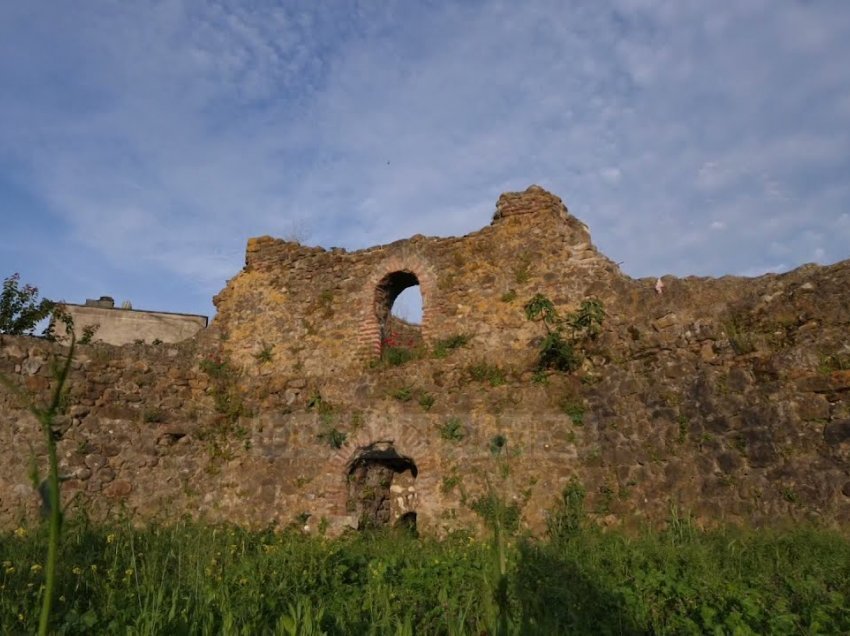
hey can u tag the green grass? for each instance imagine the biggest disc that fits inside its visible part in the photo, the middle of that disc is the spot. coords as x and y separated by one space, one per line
192 578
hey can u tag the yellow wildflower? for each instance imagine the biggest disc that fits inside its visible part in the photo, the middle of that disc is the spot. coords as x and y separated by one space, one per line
110 538
77 570
20 532
35 568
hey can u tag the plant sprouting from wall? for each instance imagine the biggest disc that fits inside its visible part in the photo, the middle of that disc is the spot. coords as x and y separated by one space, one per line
558 351
225 393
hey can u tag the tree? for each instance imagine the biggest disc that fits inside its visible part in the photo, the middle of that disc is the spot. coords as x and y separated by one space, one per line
20 308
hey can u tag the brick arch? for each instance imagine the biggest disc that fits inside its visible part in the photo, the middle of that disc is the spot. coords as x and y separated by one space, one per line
386 282
406 441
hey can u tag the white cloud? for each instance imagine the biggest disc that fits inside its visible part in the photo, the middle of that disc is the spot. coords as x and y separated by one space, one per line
158 137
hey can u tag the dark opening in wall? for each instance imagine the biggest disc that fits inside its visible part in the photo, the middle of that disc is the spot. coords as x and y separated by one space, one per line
398 307
381 486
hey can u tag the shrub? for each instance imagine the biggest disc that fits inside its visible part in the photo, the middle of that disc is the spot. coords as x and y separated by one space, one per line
557 349
557 353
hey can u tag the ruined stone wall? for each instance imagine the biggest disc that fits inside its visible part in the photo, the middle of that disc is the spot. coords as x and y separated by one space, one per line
729 398
322 311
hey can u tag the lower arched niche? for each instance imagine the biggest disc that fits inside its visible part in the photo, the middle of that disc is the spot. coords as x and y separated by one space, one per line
381 487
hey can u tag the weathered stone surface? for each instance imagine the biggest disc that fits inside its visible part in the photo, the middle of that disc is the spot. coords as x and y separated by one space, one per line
118 489
836 433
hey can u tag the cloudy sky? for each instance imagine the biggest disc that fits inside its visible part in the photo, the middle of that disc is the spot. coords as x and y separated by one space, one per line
142 143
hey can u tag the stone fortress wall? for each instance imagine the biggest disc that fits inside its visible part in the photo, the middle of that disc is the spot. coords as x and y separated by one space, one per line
118 326
728 398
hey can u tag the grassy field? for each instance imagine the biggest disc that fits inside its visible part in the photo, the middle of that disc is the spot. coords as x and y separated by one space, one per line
199 579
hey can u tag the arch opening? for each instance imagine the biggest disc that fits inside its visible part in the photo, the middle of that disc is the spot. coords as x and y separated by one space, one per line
399 309
381 486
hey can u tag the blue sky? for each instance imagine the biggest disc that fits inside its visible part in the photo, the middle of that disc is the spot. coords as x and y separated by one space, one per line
142 143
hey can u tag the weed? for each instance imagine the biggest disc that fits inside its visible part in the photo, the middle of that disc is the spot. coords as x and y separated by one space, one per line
684 425
264 355
395 356
829 363
333 437
574 408
498 444
449 483
741 338
452 430
522 270
426 401
790 495
509 296
604 500
565 521
403 394
443 347
326 299
484 371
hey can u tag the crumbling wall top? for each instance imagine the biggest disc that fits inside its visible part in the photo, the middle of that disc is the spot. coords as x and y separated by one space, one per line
533 200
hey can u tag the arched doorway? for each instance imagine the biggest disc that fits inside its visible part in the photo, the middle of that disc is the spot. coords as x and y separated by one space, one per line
381 486
399 331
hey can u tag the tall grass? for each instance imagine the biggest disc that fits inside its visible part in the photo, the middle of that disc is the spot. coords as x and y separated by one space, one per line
192 578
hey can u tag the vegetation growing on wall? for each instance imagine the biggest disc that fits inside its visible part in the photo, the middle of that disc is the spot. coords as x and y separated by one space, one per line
565 335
